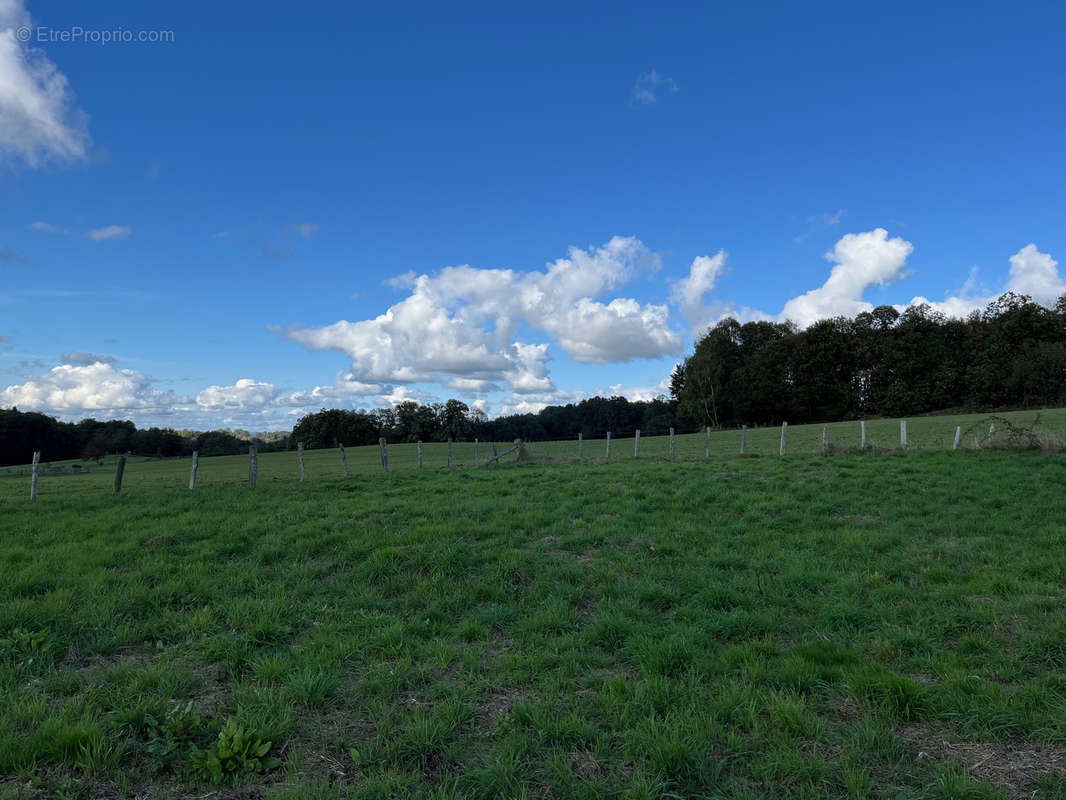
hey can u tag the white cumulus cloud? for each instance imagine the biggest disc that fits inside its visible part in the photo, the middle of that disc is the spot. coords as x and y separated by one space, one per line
72 389
462 322
1031 273
689 291
343 390
1036 274
861 260
244 395
39 121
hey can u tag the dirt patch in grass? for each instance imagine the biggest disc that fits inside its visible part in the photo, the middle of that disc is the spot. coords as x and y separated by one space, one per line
82 661
497 705
1013 766
844 708
583 763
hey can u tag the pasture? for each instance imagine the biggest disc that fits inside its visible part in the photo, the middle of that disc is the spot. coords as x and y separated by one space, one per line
928 433
884 625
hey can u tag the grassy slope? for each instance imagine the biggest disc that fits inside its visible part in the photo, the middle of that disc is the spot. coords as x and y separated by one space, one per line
923 433
736 628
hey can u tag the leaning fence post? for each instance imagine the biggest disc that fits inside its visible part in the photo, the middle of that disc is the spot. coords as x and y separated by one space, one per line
518 449
580 446
743 436
33 475
608 444
344 461
384 454
449 451
636 443
119 471
671 443
192 469
707 450
784 434
253 466
862 434
903 433
300 456
958 437
477 454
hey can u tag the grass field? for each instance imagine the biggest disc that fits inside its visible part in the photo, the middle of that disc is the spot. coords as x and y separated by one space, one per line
923 434
887 625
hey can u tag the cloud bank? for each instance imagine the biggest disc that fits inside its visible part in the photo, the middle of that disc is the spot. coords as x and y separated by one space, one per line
473 332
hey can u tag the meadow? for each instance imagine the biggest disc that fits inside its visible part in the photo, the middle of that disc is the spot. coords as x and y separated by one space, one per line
883 625
928 433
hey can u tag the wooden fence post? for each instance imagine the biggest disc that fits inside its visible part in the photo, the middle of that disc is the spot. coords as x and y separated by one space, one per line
608 444
825 440
636 443
903 433
862 434
517 449
449 451
344 461
253 466
192 469
958 437
119 472
495 452
580 445
707 450
477 454
672 444
784 434
420 454
33 475
384 454
991 432
743 436
300 456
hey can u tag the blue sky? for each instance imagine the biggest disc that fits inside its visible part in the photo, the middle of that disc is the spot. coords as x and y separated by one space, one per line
229 228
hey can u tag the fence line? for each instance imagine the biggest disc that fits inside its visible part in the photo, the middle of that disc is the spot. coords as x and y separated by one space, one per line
834 439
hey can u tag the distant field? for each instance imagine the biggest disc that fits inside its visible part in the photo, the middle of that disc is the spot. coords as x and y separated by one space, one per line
886 626
923 433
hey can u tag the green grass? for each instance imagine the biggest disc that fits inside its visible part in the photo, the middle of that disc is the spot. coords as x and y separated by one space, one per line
886 625
935 432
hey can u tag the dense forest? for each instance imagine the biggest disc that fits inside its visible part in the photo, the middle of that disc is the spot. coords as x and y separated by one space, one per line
21 433
881 363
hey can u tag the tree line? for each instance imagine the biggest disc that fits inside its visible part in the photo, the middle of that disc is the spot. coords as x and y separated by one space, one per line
879 363
22 433
437 422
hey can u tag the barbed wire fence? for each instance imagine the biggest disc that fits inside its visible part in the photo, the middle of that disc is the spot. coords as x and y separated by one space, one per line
997 432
